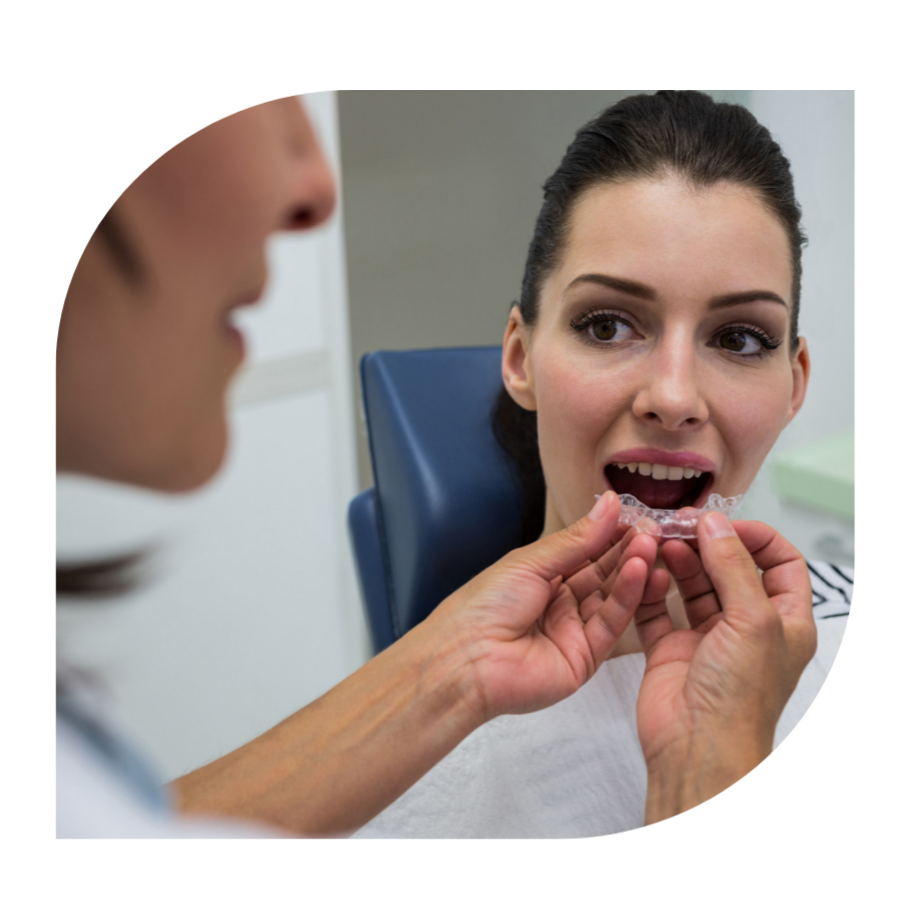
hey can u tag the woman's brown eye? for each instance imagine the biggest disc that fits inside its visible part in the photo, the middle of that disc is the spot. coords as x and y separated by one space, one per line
605 329
734 340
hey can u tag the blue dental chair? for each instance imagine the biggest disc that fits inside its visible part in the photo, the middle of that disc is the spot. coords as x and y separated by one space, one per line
445 504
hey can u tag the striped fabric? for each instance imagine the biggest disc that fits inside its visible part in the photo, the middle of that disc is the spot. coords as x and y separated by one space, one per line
832 588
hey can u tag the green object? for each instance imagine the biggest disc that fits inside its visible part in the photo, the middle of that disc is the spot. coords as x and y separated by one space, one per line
818 475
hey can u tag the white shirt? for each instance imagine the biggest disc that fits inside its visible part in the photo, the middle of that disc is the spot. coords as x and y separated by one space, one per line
576 769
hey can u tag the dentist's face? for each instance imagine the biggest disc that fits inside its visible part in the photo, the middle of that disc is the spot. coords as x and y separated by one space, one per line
660 363
144 357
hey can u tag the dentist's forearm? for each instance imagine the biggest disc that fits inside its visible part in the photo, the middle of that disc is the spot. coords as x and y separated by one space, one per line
334 765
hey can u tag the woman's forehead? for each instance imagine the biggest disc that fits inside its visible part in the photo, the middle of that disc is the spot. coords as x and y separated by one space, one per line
674 236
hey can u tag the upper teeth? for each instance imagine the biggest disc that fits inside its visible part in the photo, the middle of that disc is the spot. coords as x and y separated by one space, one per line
659 472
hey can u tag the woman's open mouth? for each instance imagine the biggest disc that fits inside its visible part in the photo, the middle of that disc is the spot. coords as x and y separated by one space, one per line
658 486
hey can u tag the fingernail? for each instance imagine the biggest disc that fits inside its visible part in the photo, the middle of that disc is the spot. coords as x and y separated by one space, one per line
717 526
600 507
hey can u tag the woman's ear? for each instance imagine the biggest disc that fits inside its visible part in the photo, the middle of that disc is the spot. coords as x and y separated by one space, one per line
800 372
517 362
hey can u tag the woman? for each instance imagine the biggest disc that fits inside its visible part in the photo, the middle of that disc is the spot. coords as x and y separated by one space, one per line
658 323
145 352
654 351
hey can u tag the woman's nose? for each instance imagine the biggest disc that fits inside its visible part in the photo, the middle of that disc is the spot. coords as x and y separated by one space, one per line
672 397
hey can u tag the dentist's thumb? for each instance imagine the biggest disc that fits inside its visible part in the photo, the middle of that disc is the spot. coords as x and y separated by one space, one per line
730 567
567 551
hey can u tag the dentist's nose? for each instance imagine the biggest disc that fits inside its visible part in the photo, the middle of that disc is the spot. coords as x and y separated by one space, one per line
310 194
672 396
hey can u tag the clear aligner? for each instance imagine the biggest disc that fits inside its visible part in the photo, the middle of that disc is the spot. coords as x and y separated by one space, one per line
673 523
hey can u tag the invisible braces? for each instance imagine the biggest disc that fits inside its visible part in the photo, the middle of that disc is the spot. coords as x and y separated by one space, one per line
673 523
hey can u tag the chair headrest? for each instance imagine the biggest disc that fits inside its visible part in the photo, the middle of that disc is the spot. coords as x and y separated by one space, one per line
448 500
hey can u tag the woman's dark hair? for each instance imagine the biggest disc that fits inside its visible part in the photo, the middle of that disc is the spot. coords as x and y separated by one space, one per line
683 133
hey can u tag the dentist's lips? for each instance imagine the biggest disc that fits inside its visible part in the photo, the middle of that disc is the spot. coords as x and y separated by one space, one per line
251 298
234 334
660 479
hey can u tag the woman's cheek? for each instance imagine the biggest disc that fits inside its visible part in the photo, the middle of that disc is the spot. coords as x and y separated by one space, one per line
750 422
574 416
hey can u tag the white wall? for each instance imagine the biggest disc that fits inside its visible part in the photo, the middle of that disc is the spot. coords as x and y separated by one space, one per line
252 610
815 130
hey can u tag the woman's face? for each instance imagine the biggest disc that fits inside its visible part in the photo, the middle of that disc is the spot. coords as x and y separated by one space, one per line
661 349
143 363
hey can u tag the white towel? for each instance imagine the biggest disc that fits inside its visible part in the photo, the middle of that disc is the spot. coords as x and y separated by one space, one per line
573 770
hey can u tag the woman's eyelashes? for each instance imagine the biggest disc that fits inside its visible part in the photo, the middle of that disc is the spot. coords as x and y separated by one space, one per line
747 341
604 327
610 328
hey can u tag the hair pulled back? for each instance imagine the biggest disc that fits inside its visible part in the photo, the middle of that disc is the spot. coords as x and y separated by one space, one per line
681 133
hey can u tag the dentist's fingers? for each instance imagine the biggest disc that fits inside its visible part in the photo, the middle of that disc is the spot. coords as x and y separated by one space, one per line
655 591
784 571
574 548
746 601
722 575
701 604
784 574
604 628
587 580
732 571
652 619
636 546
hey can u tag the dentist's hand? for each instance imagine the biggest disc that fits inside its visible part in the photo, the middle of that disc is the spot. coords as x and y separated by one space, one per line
712 696
523 634
535 626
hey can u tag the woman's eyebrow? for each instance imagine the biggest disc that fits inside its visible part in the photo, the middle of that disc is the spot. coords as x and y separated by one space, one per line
740 297
644 292
635 288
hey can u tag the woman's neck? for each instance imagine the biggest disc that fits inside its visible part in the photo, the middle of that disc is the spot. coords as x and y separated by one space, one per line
552 520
